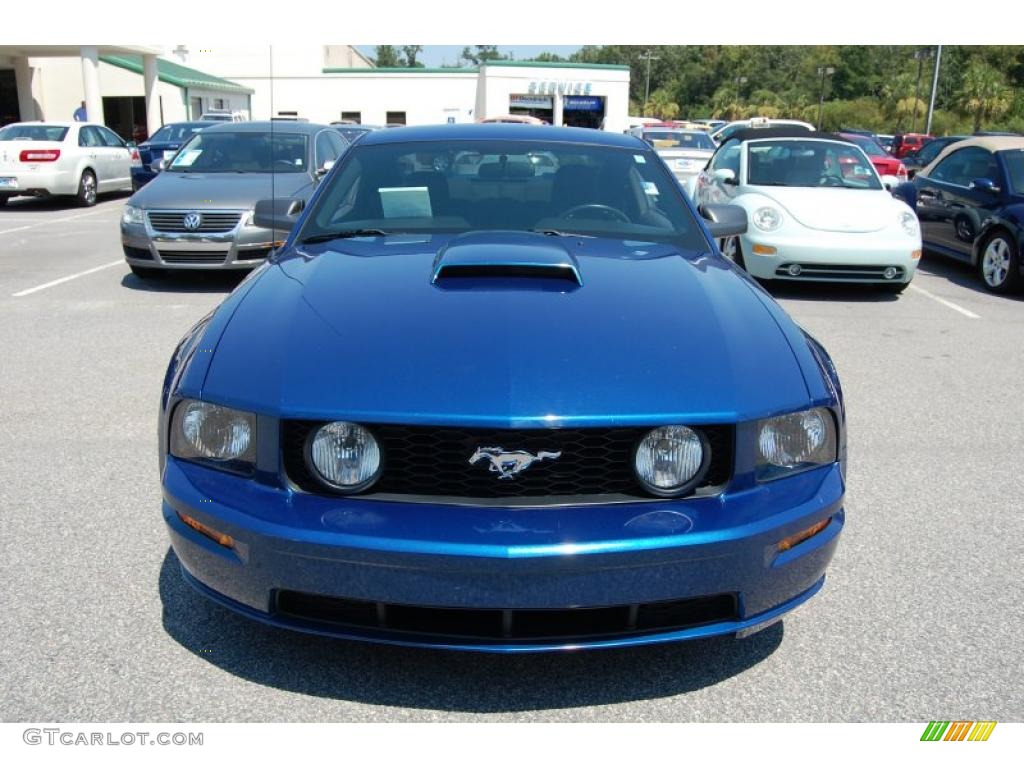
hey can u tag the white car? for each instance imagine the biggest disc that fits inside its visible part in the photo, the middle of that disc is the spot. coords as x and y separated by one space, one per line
685 152
78 159
816 207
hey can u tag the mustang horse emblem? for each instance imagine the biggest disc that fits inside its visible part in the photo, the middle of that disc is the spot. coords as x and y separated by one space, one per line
508 464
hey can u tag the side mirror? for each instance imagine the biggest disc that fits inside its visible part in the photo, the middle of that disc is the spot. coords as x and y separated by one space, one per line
724 220
131 144
890 182
277 213
159 165
724 175
911 173
984 185
322 171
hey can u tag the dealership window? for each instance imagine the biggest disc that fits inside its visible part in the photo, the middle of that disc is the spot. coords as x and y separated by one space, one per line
535 105
354 117
583 111
395 118
218 104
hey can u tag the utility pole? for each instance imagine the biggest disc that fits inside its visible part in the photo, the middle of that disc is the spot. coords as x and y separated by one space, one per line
824 72
740 82
935 87
920 54
647 89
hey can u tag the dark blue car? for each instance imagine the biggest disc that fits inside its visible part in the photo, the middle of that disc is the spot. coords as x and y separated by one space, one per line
167 140
970 201
470 405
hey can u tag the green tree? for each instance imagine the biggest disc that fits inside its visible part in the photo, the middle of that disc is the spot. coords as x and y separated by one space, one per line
388 56
984 93
662 106
411 52
482 54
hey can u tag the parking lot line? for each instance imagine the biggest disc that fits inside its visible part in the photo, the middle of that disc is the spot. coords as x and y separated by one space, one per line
60 280
16 229
944 302
47 222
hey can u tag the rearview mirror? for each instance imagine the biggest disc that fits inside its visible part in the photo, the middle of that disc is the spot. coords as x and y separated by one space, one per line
724 175
724 220
277 213
985 185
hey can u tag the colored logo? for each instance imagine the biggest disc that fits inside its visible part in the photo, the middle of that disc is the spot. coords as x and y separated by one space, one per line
960 730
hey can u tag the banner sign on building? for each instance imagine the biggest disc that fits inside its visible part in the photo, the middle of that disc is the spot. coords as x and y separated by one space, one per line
583 103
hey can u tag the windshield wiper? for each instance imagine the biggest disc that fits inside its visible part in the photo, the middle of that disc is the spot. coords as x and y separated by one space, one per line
342 234
560 233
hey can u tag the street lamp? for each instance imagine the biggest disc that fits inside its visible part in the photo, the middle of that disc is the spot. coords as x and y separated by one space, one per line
823 72
920 54
647 89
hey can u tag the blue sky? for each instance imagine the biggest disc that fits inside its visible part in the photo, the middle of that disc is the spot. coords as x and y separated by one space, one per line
437 55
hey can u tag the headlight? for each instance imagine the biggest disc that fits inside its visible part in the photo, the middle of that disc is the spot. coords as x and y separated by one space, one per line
767 219
909 223
212 432
795 442
670 460
345 456
131 215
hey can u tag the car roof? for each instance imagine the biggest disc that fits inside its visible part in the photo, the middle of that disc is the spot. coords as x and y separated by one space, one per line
991 143
266 126
501 132
782 132
55 123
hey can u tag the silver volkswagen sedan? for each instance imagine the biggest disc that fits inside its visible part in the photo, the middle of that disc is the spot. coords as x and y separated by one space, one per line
198 213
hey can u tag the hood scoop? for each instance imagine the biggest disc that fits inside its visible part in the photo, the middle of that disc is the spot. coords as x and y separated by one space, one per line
498 255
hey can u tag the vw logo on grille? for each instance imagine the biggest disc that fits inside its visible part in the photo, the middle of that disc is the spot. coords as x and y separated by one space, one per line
193 220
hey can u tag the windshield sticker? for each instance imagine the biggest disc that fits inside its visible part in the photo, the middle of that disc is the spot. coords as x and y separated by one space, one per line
639 159
187 157
405 202
651 188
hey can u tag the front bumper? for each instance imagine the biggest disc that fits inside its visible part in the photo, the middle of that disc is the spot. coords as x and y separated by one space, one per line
831 256
421 556
243 247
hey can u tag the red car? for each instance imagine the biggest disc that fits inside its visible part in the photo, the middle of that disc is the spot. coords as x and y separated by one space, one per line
884 163
905 143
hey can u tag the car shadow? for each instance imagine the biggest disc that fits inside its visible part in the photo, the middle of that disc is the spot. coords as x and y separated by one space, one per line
959 273
445 680
57 202
812 291
182 281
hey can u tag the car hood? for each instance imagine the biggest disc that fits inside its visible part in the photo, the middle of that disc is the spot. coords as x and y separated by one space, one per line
362 330
199 191
835 210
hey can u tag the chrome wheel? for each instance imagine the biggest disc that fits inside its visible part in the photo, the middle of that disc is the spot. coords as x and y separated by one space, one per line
995 263
87 189
730 247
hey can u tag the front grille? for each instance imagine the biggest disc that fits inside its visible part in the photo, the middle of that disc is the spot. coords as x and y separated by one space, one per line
839 272
194 257
508 626
137 253
174 221
434 461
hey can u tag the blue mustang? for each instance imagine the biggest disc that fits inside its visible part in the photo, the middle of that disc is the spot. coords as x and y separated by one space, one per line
499 391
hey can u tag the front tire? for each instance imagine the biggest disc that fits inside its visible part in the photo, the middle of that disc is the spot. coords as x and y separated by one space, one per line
732 250
999 265
86 196
145 273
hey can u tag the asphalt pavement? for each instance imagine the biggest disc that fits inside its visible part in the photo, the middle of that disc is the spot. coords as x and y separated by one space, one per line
919 618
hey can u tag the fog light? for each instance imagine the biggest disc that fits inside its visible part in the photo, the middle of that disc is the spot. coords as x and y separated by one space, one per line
765 250
221 538
890 273
795 270
791 541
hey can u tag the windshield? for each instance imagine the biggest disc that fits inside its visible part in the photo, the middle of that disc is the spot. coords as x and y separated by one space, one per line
1013 159
679 139
799 163
242 152
869 145
33 133
177 133
463 185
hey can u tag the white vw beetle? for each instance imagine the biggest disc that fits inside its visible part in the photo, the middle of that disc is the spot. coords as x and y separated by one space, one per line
817 208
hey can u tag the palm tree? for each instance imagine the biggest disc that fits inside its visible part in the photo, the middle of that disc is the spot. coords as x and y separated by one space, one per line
984 93
661 104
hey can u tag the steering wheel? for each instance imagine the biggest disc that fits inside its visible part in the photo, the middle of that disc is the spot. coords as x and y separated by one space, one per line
830 181
606 211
